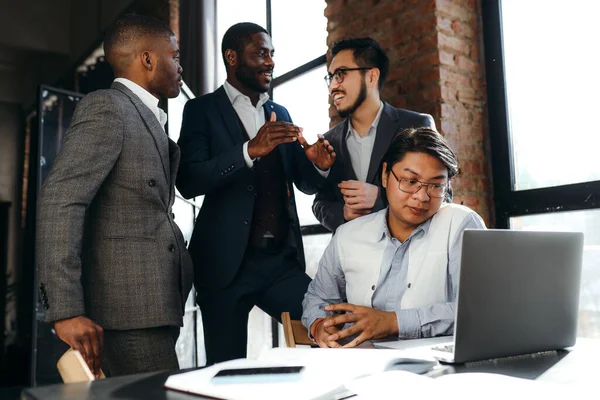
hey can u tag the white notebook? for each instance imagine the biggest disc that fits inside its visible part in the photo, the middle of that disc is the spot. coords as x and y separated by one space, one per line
325 371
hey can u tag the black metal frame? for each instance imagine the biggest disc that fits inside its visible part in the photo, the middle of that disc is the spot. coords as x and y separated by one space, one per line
510 202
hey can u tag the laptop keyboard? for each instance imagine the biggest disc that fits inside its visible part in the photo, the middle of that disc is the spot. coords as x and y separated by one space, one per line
449 348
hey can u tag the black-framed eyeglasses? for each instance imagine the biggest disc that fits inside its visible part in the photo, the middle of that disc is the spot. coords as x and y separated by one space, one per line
340 73
412 186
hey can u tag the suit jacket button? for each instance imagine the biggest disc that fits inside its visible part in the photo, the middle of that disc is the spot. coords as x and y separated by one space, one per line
173 215
250 188
172 247
151 183
246 221
46 306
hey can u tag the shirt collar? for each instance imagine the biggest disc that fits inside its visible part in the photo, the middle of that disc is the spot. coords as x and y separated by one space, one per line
146 97
374 125
384 230
235 94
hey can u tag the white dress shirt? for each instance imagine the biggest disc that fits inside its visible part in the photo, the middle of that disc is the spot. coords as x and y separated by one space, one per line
147 98
361 148
252 117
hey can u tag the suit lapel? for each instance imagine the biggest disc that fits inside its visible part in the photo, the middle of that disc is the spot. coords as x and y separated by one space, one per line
344 154
158 134
229 116
386 129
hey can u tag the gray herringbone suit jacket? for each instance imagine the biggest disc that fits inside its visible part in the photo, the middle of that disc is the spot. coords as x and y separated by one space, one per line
107 245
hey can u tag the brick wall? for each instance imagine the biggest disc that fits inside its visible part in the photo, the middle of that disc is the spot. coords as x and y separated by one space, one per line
436 67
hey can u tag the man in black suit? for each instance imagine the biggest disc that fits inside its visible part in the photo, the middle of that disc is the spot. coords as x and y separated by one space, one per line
242 152
356 75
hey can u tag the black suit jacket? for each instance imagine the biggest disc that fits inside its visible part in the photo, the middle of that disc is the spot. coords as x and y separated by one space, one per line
328 205
212 164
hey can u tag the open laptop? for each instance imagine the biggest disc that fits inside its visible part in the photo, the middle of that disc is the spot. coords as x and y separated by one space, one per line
518 294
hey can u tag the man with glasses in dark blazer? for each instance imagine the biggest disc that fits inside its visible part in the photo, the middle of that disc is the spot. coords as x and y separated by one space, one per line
355 77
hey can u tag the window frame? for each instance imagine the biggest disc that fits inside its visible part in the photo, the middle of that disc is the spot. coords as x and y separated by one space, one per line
508 201
299 70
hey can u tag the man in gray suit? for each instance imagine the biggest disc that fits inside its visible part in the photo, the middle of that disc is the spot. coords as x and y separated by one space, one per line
114 272
356 75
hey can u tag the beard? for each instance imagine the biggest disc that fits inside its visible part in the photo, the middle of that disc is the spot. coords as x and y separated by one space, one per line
362 95
248 77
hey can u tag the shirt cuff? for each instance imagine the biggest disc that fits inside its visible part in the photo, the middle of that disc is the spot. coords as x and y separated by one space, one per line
325 173
409 324
249 161
312 318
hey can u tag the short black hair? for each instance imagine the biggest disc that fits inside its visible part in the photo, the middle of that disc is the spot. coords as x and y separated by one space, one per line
421 140
130 28
238 36
367 53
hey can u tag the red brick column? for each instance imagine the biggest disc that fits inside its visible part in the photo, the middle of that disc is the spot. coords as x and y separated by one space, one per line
435 67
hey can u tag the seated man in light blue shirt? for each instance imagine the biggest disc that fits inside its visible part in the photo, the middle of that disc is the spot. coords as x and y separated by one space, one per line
395 272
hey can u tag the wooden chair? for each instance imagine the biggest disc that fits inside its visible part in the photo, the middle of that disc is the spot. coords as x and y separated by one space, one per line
295 333
73 368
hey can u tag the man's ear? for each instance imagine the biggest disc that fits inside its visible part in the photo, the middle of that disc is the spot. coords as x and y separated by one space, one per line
147 59
384 175
230 58
374 75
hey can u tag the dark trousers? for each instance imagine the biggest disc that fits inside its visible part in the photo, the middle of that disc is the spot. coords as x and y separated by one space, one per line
273 282
140 350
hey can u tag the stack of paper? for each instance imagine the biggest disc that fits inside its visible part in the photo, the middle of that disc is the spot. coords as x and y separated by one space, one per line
325 370
362 371
464 386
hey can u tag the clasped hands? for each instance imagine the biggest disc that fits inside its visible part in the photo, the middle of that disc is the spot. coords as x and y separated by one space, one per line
368 323
359 198
273 133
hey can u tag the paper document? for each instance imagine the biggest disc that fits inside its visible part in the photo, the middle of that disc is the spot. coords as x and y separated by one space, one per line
325 370
464 386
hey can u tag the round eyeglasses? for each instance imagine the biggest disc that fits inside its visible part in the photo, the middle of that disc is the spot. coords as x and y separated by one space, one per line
412 186
340 73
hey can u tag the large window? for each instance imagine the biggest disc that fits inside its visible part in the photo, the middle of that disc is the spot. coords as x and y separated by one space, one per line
306 99
552 95
299 35
542 95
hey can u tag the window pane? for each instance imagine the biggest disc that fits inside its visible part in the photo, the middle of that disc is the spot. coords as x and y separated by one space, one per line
230 12
576 221
551 89
295 45
306 98
314 247
175 109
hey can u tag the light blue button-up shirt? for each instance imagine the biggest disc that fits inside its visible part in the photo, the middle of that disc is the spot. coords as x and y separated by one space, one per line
329 285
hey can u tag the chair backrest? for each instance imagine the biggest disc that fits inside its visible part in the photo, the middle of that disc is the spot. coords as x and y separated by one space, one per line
73 368
294 332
